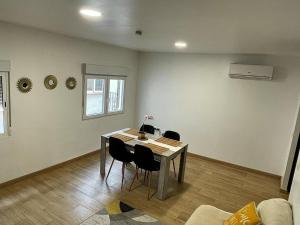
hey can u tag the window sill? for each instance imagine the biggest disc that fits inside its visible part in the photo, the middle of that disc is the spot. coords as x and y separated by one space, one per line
102 115
4 136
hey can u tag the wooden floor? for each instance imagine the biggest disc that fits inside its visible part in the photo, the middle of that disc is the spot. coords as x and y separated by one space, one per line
70 194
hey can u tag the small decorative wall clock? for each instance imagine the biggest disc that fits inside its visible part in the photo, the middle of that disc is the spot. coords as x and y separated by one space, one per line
50 82
71 83
24 85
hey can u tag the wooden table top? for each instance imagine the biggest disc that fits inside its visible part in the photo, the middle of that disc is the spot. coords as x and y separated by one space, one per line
156 148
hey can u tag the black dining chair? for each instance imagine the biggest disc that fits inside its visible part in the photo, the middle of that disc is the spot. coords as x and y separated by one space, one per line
118 152
144 159
147 128
175 136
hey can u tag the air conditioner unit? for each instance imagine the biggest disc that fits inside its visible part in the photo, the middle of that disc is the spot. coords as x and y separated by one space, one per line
257 72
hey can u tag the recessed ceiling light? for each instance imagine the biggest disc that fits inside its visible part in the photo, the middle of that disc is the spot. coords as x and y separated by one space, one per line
180 44
90 12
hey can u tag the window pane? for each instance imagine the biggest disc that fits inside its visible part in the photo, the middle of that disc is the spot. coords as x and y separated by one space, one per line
90 84
98 85
116 95
1 108
94 99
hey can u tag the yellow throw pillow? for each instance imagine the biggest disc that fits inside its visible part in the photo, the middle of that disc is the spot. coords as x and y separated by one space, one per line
245 216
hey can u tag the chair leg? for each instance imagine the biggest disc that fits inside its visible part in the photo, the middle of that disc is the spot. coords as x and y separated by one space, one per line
135 176
123 172
137 171
149 184
174 167
109 169
145 176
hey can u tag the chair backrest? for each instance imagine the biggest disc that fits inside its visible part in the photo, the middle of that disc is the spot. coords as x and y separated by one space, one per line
147 128
172 135
143 156
117 148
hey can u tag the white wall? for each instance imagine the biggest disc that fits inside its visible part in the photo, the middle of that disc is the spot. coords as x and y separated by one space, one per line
242 122
245 122
292 149
294 197
47 126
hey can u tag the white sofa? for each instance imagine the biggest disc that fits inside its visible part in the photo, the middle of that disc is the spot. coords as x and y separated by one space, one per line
272 212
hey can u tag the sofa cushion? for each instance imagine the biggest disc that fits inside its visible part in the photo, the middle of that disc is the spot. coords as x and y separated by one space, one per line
208 215
247 215
275 212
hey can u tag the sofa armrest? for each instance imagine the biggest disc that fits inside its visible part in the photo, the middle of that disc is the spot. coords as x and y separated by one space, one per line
208 215
275 212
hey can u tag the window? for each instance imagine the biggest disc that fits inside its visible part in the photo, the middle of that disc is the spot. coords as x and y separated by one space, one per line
116 95
94 85
4 122
103 95
95 96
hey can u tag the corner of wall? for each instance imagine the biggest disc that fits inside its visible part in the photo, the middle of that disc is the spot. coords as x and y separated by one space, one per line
138 72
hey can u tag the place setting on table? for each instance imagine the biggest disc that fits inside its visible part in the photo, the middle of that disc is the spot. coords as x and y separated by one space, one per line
163 148
159 145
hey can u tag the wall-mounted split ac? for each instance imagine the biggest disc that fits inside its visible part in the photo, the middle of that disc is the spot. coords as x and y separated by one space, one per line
257 72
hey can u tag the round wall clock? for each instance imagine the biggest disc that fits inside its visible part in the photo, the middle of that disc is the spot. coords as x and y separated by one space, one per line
71 83
50 82
24 85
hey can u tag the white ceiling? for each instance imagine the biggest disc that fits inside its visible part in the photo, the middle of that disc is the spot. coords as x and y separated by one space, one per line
208 26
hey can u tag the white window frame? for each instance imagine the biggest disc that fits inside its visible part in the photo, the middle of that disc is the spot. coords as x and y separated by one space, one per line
107 99
94 89
86 77
6 105
107 79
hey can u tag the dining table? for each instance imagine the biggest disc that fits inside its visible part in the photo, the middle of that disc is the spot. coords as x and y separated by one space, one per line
164 151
